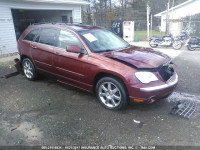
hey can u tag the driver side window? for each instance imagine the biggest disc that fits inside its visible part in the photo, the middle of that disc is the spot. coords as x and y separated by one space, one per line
67 38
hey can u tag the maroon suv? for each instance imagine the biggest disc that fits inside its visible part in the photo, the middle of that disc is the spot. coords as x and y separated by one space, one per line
96 60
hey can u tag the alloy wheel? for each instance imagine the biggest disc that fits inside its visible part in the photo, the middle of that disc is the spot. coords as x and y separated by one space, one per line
28 69
109 94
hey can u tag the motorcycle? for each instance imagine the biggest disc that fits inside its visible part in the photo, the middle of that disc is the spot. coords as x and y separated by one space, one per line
166 41
180 39
193 43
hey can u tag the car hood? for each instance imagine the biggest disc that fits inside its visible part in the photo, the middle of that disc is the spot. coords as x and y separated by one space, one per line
139 57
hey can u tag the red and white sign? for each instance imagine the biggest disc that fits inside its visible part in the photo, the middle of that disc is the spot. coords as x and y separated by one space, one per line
127 23
128 31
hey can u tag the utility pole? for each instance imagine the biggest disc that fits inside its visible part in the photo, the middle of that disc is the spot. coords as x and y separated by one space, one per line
167 18
93 18
148 10
151 25
110 6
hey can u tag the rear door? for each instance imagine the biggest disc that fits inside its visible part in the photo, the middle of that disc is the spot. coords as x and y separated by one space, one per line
43 48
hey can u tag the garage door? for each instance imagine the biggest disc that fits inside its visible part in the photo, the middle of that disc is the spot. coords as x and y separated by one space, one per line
23 18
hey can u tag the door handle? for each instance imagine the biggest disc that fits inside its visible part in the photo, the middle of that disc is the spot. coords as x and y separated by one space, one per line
57 53
34 47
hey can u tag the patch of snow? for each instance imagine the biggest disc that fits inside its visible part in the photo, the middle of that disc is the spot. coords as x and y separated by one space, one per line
178 96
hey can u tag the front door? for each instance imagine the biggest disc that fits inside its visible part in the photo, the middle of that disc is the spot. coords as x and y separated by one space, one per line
72 66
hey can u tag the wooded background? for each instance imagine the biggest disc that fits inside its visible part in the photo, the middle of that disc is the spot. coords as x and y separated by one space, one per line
101 12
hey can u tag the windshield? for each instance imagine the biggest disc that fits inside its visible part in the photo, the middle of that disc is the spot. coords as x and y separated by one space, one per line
103 40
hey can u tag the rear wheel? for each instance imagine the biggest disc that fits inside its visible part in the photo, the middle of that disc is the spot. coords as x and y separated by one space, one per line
152 44
29 69
189 47
111 93
177 45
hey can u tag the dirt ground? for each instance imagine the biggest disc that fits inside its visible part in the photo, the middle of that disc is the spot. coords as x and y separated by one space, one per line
45 112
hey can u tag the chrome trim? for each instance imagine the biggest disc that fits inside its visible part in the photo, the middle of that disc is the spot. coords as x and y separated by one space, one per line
160 87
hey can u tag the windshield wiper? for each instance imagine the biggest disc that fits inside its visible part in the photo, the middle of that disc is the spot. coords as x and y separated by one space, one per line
128 46
107 50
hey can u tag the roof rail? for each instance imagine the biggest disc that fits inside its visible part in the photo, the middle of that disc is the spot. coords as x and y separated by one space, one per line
39 23
57 23
78 24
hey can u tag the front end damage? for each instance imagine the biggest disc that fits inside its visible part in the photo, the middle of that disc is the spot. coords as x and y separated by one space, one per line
156 90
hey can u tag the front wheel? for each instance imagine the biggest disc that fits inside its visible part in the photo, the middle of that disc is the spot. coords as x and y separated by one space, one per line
177 45
152 44
189 47
29 69
111 93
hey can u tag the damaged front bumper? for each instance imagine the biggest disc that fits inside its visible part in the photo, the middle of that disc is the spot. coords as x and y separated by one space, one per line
164 86
154 92
18 67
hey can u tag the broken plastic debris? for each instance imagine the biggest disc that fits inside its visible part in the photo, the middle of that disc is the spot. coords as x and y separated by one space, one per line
17 66
136 121
140 124
185 109
10 75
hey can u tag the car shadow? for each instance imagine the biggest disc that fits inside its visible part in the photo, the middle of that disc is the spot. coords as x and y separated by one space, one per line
141 107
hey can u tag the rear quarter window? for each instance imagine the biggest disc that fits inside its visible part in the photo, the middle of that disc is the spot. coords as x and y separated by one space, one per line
31 35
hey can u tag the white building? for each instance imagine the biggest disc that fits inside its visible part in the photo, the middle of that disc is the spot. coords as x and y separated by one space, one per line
177 13
16 15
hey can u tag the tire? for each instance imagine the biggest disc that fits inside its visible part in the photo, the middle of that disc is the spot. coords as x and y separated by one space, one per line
111 93
190 48
153 45
177 45
29 69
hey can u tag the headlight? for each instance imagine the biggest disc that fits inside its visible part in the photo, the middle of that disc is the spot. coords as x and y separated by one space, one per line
146 77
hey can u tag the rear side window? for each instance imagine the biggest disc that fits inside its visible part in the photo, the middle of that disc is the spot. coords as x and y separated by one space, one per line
31 35
47 36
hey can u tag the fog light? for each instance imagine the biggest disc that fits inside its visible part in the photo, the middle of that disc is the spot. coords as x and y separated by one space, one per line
138 100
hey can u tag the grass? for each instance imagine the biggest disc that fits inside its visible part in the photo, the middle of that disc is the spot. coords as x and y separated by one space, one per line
142 35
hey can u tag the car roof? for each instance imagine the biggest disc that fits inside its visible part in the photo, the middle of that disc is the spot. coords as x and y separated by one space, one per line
76 27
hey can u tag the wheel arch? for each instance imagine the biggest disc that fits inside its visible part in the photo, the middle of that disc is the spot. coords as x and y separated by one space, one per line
24 56
106 74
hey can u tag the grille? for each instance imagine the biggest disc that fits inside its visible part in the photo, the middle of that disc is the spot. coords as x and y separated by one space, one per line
166 72
185 108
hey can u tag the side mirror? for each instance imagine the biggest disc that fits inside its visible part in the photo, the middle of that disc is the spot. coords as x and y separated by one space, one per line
73 49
